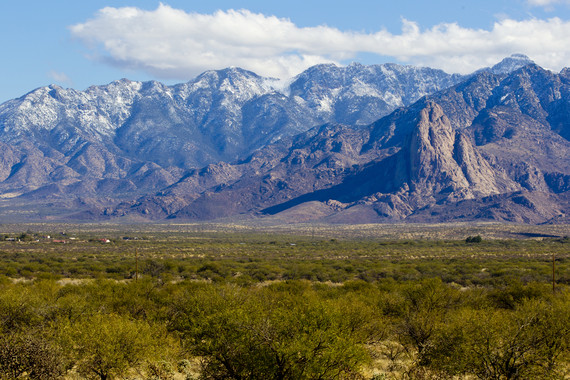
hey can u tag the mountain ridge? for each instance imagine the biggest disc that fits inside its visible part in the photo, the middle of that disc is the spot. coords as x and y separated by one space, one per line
434 165
465 140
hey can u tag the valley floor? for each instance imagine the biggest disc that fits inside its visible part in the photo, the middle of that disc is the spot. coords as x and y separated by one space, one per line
215 301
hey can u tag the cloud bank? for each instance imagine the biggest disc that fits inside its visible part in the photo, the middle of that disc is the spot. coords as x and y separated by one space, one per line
171 43
546 3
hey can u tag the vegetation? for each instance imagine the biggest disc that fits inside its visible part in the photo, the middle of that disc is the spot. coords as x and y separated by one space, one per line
175 305
474 239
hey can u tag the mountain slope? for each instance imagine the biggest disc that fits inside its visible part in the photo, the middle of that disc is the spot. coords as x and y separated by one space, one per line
493 145
63 137
484 149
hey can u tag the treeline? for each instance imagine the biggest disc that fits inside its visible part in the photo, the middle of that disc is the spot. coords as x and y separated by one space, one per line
289 329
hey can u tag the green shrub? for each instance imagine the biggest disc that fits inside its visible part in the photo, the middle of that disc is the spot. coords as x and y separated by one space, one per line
474 239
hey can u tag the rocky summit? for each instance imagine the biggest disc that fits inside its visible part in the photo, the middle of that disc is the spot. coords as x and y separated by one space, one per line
353 144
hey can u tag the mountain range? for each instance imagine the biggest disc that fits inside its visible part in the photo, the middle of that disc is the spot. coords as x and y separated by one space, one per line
354 144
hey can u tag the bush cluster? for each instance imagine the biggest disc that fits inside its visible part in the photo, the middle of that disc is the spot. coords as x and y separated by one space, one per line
228 307
293 329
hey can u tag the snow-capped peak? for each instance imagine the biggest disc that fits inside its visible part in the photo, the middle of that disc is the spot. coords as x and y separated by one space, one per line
510 64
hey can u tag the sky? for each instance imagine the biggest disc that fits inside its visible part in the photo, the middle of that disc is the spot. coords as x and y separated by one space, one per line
76 44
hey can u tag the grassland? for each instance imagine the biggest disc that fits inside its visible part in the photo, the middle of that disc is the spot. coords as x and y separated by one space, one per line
298 301
315 253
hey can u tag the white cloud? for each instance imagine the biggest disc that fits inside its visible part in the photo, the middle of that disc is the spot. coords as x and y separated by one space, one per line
546 3
59 77
171 43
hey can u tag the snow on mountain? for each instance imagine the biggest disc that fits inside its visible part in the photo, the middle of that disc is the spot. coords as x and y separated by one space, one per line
358 94
219 115
510 64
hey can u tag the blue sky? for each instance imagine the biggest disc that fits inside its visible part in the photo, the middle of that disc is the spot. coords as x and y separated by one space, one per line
81 43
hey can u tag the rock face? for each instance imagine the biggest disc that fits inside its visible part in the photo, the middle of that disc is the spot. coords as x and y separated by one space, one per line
493 146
